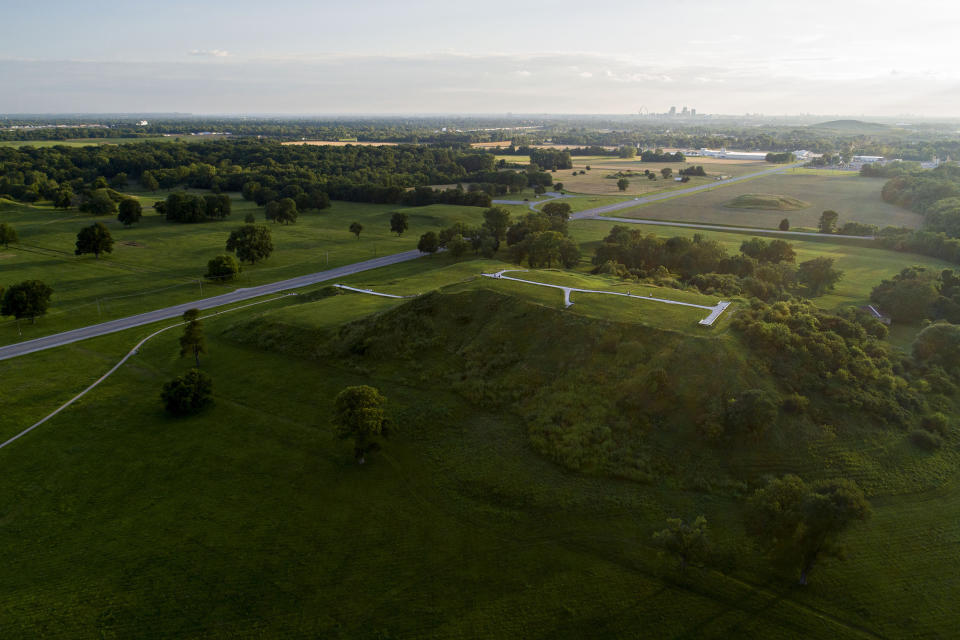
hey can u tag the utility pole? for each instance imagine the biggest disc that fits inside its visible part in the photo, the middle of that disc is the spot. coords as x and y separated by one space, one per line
200 282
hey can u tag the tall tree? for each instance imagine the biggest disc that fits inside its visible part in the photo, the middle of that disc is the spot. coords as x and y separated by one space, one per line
251 243
28 299
623 183
797 524
193 341
286 211
497 221
429 243
130 211
828 221
95 239
784 225
7 234
689 542
399 223
356 228
818 274
358 413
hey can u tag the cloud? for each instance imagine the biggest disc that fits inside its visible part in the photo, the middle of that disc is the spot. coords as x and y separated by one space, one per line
209 53
523 73
586 74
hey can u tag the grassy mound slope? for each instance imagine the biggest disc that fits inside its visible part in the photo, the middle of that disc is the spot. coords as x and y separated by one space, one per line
767 202
603 397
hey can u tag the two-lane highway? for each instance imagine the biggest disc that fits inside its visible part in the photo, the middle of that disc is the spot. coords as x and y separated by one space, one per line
239 295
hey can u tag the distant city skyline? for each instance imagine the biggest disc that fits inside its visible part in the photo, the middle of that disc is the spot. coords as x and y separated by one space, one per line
285 57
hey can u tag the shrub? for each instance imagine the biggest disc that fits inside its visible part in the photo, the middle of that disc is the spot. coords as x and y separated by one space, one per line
935 423
187 394
926 440
223 268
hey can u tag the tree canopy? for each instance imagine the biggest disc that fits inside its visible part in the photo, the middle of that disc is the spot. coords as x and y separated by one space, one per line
95 239
251 243
359 414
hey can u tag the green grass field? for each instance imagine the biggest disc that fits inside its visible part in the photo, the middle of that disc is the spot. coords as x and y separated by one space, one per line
251 520
854 198
156 263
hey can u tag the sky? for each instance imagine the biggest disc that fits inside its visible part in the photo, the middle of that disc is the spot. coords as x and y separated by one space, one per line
848 57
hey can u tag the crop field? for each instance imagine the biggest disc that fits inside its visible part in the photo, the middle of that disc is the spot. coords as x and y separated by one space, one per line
856 199
456 529
155 263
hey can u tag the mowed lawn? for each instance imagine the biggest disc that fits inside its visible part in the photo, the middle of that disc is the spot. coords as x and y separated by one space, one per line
252 520
598 180
155 263
856 199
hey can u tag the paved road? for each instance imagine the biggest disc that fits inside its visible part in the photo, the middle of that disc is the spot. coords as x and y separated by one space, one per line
59 339
717 227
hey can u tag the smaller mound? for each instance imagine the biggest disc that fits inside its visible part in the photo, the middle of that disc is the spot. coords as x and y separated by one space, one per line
851 125
766 201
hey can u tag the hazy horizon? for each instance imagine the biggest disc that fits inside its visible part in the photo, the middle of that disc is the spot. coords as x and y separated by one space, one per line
292 58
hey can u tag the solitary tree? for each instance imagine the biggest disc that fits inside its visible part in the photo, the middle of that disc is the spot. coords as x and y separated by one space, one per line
7 234
429 243
356 228
188 393
399 223
223 268
130 211
828 221
193 341
27 299
497 221
797 524
249 218
688 542
286 211
622 184
95 239
251 243
784 225
666 172
818 274
358 413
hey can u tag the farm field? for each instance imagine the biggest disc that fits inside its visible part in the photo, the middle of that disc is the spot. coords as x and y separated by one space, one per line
457 528
856 199
155 263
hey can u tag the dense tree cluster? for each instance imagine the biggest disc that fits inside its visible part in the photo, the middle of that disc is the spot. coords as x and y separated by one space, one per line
918 293
541 238
780 158
828 356
551 159
659 155
181 206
